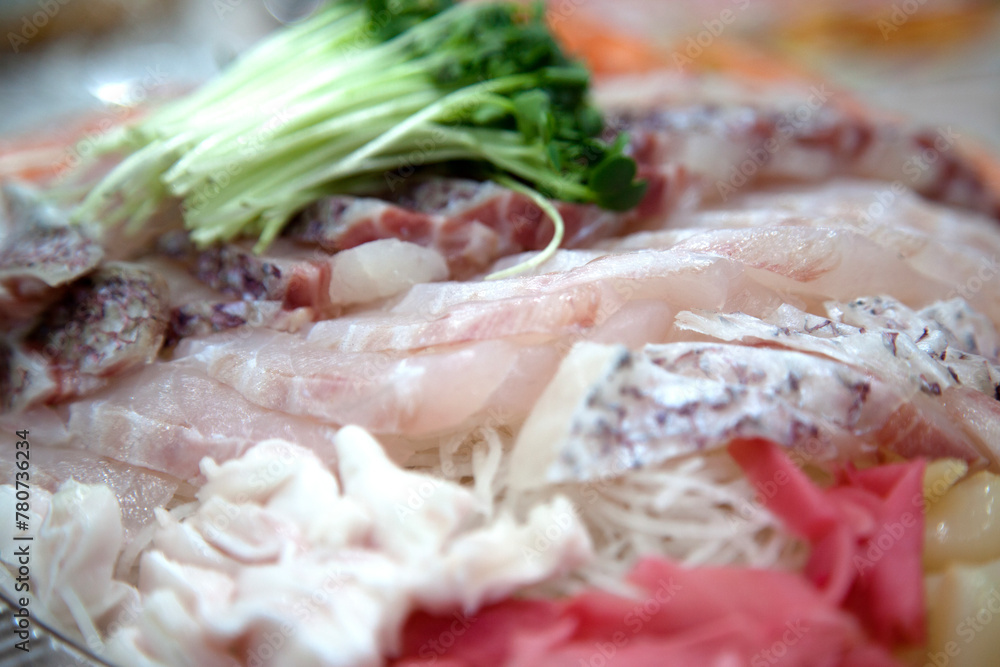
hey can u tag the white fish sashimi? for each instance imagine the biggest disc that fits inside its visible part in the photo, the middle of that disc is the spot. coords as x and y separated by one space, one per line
831 237
651 273
386 392
380 269
168 417
815 264
442 355
139 491
962 340
39 252
725 138
539 317
104 324
886 352
925 425
445 353
610 409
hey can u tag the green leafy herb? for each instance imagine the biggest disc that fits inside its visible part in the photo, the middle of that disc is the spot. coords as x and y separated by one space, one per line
354 97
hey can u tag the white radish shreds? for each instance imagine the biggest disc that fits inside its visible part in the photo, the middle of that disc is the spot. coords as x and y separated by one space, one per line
698 510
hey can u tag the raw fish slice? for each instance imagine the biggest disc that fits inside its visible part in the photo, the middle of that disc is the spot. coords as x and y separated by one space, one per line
941 326
469 223
288 273
716 266
925 425
676 276
105 324
139 491
956 248
950 332
166 418
384 392
609 409
39 251
810 265
729 139
560 307
538 318
891 217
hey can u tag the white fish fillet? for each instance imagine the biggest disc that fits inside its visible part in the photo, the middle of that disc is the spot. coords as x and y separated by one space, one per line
610 409
927 425
167 418
383 391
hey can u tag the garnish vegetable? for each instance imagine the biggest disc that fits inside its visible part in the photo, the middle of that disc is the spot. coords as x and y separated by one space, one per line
358 94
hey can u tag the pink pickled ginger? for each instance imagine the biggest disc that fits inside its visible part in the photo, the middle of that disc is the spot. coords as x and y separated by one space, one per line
860 596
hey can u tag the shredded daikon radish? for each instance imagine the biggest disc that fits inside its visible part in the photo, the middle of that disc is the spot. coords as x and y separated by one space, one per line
698 510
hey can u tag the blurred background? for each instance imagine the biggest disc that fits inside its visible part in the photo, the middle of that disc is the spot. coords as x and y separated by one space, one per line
936 61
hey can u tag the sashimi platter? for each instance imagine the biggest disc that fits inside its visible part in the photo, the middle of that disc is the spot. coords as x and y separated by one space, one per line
424 334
